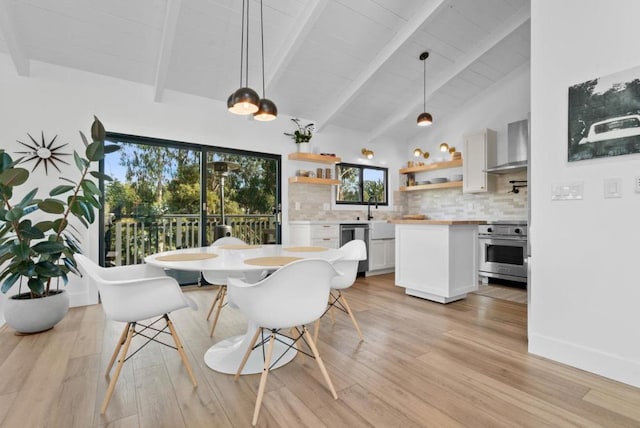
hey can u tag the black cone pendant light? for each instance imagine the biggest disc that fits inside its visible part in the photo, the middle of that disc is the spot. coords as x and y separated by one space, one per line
267 109
245 100
424 119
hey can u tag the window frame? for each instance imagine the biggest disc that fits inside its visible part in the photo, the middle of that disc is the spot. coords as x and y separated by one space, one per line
361 169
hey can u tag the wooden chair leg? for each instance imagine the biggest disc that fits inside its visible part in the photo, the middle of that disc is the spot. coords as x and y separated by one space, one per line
316 330
223 294
215 300
325 374
343 299
331 313
263 379
123 337
246 354
180 348
114 379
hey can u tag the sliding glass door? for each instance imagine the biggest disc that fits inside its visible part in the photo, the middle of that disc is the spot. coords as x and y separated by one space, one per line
169 195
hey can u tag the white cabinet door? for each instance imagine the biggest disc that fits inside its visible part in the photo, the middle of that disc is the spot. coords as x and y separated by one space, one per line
479 154
382 254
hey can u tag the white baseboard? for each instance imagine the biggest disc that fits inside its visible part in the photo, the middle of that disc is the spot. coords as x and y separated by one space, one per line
592 360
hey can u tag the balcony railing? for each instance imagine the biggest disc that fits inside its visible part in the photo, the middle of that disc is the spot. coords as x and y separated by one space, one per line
129 240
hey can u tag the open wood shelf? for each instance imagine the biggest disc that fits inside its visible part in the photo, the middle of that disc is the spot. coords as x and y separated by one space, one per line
312 180
432 167
448 184
314 157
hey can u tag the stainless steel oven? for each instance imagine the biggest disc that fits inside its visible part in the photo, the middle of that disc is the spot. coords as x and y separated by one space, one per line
503 250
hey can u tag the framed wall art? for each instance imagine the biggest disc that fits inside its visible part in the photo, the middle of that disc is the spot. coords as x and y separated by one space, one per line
604 116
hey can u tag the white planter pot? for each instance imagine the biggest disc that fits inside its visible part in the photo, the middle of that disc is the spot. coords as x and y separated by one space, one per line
304 147
35 315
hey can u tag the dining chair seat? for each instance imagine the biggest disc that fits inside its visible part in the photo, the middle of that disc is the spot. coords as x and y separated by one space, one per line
291 297
132 295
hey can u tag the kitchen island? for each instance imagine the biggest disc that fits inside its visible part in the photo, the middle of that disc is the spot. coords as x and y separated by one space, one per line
437 259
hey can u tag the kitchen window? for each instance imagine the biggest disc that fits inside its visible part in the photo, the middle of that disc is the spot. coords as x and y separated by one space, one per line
359 184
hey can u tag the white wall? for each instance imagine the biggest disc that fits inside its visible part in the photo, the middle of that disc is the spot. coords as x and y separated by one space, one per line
61 101
506 101
585 288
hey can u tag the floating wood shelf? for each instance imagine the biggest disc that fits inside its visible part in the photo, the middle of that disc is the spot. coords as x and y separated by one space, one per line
432 167
448 184
312 180
314 157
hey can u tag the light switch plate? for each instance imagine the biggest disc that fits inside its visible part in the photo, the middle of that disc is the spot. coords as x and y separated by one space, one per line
297 206
567 191
636 184
613 187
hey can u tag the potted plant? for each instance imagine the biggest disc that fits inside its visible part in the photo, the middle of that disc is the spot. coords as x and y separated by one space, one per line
302 135
37 240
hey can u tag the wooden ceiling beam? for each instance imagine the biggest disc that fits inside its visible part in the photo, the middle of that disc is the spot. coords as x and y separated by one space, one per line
11 39
415 106
427 11
166 47
305 20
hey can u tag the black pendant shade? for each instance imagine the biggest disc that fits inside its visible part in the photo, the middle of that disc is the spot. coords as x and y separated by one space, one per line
425 119
267 110
245 101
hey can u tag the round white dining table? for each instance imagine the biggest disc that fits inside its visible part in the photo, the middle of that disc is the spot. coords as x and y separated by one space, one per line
234 261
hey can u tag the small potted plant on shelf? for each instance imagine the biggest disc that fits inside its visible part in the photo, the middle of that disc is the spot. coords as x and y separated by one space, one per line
302 135
37 239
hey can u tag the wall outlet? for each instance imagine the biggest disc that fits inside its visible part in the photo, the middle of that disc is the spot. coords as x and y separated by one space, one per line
297 206
613 187
636 184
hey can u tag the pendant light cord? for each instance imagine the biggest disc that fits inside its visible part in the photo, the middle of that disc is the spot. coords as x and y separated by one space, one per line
246 63
424 86
262 40
242 44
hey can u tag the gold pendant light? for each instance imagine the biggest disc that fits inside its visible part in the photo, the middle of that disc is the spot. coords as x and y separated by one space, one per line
244 100
424 119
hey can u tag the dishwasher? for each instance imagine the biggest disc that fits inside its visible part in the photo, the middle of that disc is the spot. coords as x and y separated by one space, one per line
351 231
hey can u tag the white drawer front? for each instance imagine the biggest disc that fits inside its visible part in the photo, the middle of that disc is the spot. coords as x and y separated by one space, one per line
325 231
325 242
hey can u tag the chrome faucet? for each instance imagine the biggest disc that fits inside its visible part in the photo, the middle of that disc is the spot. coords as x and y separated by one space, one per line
375 201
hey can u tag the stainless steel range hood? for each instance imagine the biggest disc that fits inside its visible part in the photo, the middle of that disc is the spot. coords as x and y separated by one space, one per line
517 144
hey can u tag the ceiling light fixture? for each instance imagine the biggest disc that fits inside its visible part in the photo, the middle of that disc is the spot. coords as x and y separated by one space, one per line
424 119
244 100
367 153
267 109
419 153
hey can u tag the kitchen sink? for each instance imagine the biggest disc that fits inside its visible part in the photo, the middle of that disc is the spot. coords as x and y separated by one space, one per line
381 230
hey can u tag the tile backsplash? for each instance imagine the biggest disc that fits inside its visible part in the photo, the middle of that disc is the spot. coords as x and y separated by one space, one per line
501 204
436 204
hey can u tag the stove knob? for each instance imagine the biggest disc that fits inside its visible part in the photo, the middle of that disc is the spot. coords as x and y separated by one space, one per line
518 230
489 229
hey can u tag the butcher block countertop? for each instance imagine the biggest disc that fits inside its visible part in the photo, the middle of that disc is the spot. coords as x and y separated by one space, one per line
436 222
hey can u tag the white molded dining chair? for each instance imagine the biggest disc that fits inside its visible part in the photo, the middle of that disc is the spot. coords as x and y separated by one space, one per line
220 278
133 294
293 296
353 252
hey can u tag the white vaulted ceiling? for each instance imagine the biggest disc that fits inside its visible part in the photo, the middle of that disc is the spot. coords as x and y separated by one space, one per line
349 63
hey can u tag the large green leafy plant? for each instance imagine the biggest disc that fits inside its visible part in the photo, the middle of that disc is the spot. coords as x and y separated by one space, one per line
37 253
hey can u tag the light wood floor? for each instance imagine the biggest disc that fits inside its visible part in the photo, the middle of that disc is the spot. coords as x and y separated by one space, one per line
422 364
504 292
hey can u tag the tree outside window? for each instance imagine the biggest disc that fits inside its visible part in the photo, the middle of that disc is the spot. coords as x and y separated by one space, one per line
359 184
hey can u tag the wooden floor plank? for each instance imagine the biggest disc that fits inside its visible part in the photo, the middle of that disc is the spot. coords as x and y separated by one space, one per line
421 364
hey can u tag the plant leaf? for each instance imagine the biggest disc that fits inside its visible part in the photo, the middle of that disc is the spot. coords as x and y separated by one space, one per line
8 283
110 148
47 269
101 176
36 286
52 206
79 161
32 233
14 214
48 247
28 198
90 187
84 139
59 225
14 176
58 190
43 226
97 130
95 151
